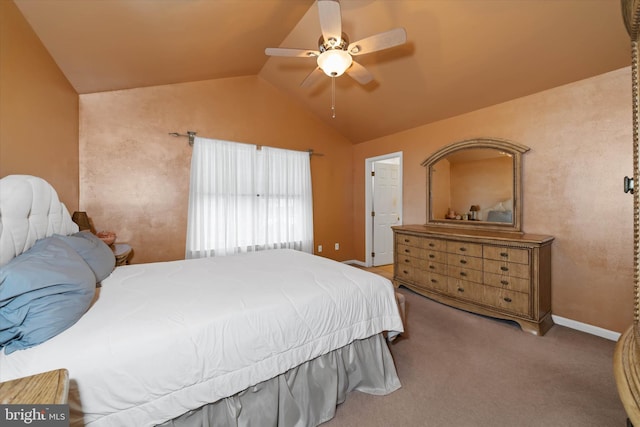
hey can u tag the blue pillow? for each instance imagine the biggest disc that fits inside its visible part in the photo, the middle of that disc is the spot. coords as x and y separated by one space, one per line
42 292
94 251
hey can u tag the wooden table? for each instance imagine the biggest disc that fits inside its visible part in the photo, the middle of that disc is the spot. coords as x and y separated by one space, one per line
122 251
46 388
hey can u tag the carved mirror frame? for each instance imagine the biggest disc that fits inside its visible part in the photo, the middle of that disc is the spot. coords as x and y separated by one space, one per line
509 147
626 362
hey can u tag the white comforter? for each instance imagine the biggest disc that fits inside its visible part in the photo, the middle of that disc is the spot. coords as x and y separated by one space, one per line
165 338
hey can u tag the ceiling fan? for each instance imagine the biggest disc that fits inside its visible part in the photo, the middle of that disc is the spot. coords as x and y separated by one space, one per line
335 53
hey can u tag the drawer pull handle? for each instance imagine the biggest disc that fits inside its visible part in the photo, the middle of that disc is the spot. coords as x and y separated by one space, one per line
504 282
407 240
434 281
432 256
431 245
504 268
463 261
463 249
433 267
405 271
460 289
504 254
407 251
463 274
407 261
507 299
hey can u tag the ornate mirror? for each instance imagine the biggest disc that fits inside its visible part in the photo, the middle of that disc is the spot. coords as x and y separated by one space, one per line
476 184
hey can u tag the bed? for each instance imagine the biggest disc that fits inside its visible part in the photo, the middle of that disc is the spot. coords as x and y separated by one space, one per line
267 338
500 212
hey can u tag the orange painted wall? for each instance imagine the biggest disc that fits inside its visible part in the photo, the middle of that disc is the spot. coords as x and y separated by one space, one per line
38 110
580 137
135 177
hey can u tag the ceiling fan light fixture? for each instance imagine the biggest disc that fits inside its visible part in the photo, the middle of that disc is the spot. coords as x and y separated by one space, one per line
334 62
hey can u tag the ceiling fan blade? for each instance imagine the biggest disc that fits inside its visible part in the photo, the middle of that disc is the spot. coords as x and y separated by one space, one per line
379 41
359 73
330 19
312 78
281 51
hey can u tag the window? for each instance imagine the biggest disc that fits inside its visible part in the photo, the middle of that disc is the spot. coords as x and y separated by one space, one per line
244 199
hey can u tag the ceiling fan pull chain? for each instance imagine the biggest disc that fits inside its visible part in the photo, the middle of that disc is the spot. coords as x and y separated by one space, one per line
333 97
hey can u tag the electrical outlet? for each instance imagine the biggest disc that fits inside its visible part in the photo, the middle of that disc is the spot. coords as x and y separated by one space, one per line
337 246
319 248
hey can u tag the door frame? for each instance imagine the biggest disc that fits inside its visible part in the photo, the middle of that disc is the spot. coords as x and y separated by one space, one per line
368 200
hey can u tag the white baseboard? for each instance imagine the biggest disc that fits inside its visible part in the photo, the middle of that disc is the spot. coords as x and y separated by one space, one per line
583 327
562 321
356 262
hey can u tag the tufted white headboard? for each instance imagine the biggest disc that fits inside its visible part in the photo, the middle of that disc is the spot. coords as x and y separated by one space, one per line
29 210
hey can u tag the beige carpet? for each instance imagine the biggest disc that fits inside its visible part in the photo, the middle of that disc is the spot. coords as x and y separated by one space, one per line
461 369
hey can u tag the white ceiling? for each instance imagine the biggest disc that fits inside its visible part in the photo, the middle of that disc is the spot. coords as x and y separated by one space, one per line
461 55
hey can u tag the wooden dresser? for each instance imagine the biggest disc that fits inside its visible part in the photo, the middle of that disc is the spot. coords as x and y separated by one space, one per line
499 274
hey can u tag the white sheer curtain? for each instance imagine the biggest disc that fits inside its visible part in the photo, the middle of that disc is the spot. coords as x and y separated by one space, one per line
242 199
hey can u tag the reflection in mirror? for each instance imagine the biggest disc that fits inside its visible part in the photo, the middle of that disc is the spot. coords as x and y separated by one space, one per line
475 184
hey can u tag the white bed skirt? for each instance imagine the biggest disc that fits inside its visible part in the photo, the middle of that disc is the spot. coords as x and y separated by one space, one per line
306 395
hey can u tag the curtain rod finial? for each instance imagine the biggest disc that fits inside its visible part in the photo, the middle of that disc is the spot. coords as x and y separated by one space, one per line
192 136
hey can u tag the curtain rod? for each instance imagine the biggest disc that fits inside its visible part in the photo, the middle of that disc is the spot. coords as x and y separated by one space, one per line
191 135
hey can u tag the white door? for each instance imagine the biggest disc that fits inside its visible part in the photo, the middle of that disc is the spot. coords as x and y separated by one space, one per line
386 212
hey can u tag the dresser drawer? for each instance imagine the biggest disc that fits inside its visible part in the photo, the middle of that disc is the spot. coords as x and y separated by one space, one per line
507 269
435 256
408 240
413 251
511 301
520 256
464 248
407 273
464 273
410 261
436 282
464 261
509 283
436 267
434 244
465 290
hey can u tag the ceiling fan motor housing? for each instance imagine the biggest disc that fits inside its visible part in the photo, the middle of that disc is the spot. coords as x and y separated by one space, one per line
332 43
334 59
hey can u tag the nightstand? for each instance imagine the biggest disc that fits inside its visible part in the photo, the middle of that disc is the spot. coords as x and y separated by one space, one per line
46 388
122 251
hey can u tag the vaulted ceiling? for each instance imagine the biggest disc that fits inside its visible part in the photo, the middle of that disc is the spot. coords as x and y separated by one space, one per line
460 55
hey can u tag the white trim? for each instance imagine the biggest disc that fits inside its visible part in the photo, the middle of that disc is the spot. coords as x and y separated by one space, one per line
368 202
354 261
584 327
561 321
